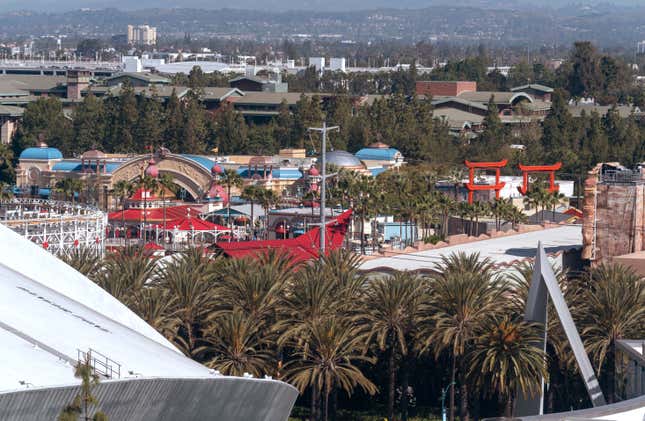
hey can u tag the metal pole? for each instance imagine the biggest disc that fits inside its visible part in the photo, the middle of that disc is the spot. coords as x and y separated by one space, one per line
323 183
323 172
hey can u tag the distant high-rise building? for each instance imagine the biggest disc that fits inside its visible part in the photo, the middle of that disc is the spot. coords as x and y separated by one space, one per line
142 35
640 47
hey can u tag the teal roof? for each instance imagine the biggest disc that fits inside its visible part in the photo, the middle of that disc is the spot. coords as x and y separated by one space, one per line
377 154
45 153
75 166
201 160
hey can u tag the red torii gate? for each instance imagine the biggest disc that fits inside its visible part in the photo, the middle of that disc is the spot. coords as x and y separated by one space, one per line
471 186
551 169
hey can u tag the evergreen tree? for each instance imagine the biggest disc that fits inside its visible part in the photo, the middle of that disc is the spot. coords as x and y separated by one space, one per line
595 146
339 113
194 128
230 130
44 119
283 126
150 123
584 79
308 113
559 140
124 118
174 123
89 125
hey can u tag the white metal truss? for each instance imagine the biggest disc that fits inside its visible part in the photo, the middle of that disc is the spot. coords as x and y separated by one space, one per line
60 227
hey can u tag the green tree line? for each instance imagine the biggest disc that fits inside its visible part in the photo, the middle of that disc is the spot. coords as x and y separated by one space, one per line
390 342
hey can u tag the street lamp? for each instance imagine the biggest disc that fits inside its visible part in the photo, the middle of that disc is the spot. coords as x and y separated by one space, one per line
444 391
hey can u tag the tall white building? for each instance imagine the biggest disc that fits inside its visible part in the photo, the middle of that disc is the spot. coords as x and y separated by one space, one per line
142 35
640 47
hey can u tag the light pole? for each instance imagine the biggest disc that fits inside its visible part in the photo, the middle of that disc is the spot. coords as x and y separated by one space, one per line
323 173
444 391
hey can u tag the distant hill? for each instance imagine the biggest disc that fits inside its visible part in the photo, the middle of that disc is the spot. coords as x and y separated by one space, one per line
284 5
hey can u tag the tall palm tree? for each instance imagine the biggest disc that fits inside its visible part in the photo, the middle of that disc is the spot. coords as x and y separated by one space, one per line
505 360
252 194
236 345
190 279
230 178
254 284
123 189
611 307
157 306
125 273
465 291
267 199
165 183
329 360
150 185
390 312
364 193
327 288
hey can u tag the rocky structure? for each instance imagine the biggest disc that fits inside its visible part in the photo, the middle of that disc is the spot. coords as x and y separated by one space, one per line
614 212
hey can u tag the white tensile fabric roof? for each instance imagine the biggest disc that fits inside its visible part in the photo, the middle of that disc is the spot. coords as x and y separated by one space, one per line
49 311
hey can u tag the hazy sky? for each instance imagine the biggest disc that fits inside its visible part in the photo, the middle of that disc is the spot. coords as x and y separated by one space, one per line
280 5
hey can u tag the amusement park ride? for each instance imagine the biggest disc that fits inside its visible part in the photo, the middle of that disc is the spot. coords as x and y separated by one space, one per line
499 185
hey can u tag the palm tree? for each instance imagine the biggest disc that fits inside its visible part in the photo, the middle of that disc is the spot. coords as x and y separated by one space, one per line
68 187
157 306
446 206
504 359
267 199
329 360
390 313
125 273
553 200
86 260
252 194
230 178
190 278
327 288
123 189
464 292
165 182
237 345
364 192
611 307
253 285
150 185
478 209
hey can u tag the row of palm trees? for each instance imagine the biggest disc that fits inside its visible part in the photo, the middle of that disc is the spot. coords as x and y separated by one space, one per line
412 198
325 327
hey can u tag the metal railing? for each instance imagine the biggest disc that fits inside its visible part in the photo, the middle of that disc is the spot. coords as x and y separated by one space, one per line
101 364
620 177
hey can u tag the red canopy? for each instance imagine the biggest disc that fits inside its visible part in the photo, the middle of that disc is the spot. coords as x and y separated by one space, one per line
192 224
154 214
300 249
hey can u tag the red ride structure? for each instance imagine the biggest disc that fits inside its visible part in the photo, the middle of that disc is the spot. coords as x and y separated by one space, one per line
551 169
472 187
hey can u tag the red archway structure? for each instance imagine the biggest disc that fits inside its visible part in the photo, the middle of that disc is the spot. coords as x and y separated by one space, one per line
551 169
472 187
